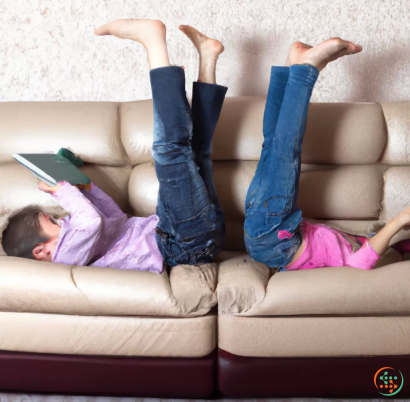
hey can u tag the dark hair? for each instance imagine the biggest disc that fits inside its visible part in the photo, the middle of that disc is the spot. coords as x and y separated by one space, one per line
23 234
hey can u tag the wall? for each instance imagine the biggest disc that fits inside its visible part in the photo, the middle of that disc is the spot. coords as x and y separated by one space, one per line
48 50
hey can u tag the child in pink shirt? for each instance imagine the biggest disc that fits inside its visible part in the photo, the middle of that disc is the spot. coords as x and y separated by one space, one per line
275 233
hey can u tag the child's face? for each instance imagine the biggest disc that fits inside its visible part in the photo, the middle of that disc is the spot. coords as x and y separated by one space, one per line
47 226
45 251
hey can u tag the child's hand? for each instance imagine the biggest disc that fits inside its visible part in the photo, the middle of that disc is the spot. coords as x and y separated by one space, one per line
48 189
83 186
404 218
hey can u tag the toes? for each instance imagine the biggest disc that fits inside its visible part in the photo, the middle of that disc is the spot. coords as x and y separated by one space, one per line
352 48
109 29
187 28
192 33
343 44
334 45
297 45
300 45
102 30
357 49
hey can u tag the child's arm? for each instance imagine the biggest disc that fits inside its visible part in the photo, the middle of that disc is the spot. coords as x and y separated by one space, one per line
103 202
367 256
380 242
83 225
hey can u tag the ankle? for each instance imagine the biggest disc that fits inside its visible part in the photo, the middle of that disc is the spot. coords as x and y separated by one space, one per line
157 55
306 74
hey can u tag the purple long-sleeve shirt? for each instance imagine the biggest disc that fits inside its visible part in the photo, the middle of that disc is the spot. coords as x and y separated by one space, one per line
97 233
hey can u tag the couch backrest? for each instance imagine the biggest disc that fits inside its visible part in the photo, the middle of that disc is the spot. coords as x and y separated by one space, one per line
348 149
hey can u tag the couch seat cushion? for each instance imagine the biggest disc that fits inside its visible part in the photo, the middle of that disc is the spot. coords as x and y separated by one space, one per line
42 287
249 288
113 336
313 336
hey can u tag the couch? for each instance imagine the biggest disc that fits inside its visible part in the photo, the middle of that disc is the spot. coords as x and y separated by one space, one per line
234 326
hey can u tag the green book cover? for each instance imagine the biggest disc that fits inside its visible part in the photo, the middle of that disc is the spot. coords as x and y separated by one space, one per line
52 168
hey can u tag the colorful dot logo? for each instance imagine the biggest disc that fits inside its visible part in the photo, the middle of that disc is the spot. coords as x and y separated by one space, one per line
388 381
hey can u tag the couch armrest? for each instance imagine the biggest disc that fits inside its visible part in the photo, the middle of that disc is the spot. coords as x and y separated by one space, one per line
241 284
42 287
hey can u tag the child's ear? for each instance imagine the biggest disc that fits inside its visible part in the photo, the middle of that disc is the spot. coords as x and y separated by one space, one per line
40 252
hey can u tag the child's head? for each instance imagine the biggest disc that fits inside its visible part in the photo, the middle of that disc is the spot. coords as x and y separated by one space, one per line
31 234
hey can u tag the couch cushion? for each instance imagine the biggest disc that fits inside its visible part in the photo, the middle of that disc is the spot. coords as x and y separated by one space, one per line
112 336
337 133
342 192
42 287
143 189
314 336
241 284
396 196
326 192
397 115
338 290
137 130
344 133
89 129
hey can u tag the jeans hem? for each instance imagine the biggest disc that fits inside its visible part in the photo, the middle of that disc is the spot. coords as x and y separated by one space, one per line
217 86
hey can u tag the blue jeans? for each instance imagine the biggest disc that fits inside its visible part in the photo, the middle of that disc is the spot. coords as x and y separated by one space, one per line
191 227
272 215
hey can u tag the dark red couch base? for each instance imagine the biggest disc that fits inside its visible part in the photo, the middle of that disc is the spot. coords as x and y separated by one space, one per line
110 376
306 377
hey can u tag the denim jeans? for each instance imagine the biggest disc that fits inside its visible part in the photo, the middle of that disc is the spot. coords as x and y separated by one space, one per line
272 215
191 227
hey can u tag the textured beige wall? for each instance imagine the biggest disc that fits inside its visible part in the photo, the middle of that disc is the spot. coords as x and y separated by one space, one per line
48 50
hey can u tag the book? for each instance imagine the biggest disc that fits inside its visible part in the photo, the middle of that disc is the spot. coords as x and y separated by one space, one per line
71 157
53 168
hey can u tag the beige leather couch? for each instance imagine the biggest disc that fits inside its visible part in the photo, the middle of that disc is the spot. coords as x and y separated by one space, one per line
355 172
321 332
53 309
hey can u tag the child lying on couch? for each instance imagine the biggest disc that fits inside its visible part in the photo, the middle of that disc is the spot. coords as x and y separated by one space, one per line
275 233
189 225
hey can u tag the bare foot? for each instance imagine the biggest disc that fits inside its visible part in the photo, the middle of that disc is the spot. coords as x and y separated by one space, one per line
150 33
207 47
319 56
142 31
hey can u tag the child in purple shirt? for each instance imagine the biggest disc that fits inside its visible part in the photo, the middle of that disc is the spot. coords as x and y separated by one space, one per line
189 225
275 233
98 233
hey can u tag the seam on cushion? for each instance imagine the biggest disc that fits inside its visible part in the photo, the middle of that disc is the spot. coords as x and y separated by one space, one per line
383 209
386 134
72 276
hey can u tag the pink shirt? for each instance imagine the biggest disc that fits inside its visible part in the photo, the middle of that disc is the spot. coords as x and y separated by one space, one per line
99 234
327 247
